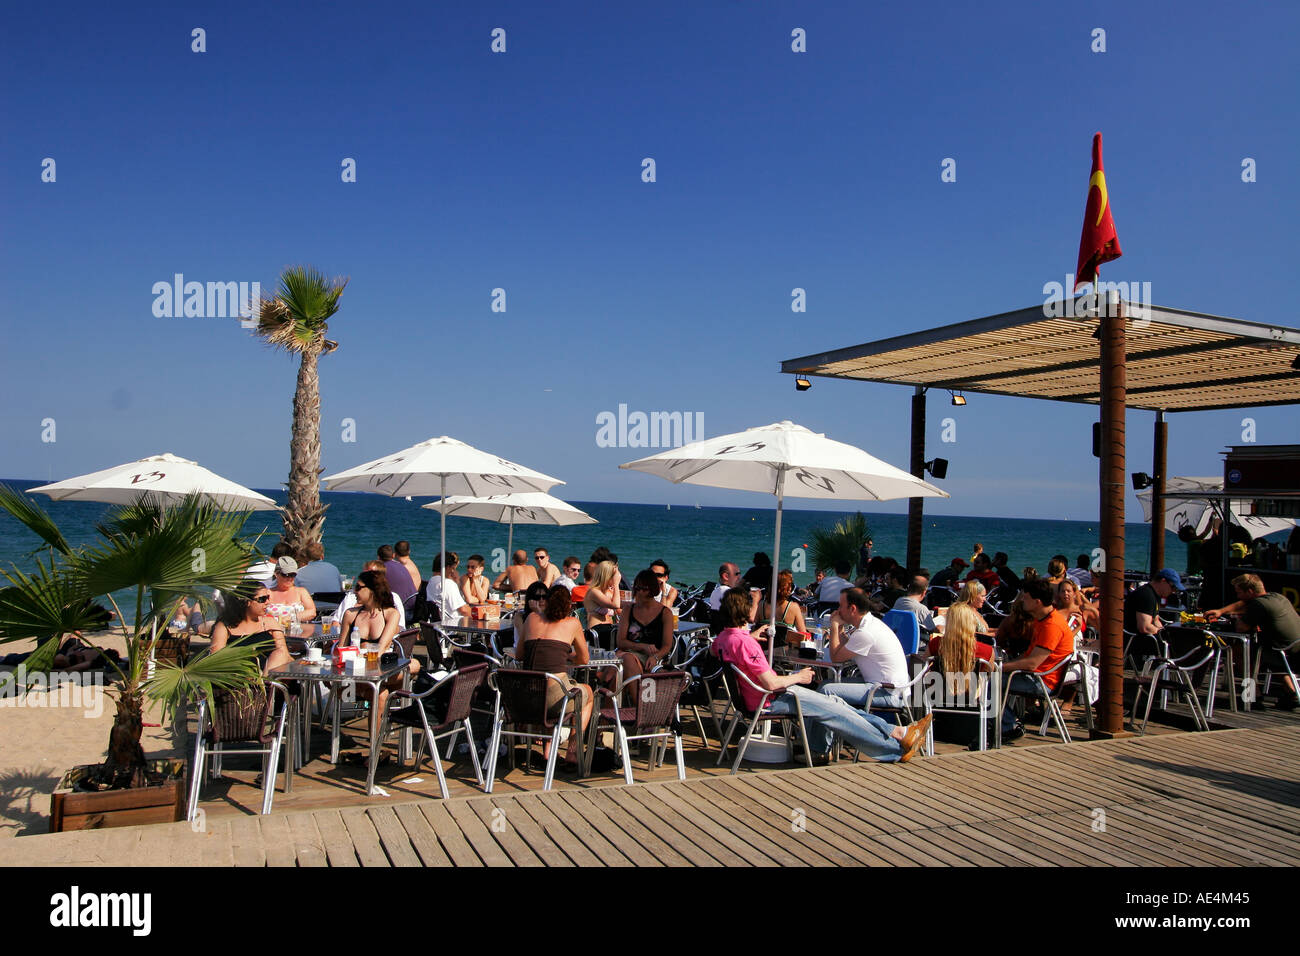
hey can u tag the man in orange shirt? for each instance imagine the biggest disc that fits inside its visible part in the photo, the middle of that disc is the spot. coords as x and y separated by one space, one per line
1051 643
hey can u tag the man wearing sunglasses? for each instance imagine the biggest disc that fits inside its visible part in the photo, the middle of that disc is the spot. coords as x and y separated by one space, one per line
547 573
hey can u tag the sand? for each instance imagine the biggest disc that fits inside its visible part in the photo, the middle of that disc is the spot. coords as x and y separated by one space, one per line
48 732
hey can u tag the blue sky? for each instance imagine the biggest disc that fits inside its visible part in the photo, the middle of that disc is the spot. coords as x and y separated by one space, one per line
522 171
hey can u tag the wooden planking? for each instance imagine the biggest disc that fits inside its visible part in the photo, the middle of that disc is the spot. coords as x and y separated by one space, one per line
338 844
423 839
309 847
453 841
514 845
365 839
1219 799
393 838
246 842
277 840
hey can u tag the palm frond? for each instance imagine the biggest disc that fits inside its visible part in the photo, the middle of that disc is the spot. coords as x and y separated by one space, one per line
841 543
234 666
297 317
30 514
45 604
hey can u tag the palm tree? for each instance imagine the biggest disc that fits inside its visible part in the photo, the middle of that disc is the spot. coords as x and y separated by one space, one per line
841 543
158 555
296 320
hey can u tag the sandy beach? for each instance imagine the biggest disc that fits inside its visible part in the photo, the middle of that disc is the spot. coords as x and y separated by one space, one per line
48 732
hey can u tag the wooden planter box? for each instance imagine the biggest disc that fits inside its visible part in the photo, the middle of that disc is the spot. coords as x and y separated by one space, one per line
163 803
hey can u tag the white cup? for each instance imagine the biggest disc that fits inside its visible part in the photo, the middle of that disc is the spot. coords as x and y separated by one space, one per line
313 655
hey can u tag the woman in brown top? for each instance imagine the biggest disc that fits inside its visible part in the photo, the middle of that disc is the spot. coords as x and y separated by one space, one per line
552 641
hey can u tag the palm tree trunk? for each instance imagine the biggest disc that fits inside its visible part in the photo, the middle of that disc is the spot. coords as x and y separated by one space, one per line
125 765
304 515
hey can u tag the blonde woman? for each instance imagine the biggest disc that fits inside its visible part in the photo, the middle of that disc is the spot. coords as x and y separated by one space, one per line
957 650
602 600
972 596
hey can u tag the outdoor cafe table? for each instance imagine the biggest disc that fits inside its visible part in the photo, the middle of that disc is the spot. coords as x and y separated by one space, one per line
488 629
326 673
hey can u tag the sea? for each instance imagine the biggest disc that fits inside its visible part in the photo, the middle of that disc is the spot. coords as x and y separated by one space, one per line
694 541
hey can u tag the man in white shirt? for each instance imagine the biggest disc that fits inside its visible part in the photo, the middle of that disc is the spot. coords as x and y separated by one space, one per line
569 573
729 576
865 639
446 594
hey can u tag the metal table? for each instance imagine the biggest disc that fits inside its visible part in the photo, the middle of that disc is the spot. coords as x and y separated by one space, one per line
326 673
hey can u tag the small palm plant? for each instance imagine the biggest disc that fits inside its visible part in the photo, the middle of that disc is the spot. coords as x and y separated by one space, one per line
296 319
161 556
841 543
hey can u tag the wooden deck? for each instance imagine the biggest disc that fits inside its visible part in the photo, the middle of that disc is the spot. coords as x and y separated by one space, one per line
1224 798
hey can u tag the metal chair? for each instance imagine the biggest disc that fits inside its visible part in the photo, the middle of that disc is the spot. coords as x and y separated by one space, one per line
240 718
456 691
1165 673
704 669
521 703
1050 696
985 699
653 716
733 677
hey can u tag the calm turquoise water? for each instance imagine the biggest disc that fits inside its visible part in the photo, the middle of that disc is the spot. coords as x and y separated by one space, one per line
693 541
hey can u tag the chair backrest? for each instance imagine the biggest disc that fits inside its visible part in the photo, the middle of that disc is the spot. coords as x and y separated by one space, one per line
465 658
242 715
523 696
406 640
431 638
905 625
657 696
939 596
463 687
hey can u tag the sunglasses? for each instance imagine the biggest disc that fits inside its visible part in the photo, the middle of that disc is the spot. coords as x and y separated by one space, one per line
291 574
263 599
659 576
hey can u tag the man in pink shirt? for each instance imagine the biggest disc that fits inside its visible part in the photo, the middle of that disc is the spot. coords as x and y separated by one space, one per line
870 735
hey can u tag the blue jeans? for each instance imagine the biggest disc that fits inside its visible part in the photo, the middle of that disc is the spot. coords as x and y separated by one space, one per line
856 695
825 715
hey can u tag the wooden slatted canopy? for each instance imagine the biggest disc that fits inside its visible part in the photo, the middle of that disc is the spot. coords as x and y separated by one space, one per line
1177 361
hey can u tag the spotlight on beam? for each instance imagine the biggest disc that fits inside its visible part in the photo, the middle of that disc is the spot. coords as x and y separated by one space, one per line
802 384
1142 480
1295 363
958 398
938 468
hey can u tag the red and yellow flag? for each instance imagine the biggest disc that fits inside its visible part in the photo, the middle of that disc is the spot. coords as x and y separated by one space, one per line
1098 243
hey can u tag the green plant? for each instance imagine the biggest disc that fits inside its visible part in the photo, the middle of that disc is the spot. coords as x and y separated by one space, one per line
296 320
161 556
841 543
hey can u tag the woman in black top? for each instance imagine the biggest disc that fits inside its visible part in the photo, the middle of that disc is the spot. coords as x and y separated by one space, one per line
645 628
246 622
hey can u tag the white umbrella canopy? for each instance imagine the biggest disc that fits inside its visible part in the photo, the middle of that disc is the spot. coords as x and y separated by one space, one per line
437 467
1197 512
167 478
530 507
785 459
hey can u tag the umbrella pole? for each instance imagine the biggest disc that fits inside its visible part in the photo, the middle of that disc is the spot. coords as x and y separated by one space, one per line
510 539
442 521
776 565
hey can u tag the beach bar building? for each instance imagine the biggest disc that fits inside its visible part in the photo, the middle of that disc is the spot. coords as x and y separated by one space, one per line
1091 350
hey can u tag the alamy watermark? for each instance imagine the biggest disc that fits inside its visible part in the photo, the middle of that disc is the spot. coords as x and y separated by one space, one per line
69 690
647 430
206 300
1059 301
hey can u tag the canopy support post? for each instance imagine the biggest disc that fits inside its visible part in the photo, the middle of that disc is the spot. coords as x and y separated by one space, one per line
916 506
1159 457
1113 398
